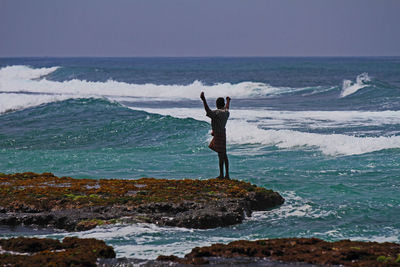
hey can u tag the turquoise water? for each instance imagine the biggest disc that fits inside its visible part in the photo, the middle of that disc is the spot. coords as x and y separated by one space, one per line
323 132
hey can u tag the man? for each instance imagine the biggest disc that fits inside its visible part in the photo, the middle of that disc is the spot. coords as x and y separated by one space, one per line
219 117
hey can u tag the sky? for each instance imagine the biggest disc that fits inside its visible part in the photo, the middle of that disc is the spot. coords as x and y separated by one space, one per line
175 28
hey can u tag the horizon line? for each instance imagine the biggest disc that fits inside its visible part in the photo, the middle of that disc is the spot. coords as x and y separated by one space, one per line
318 56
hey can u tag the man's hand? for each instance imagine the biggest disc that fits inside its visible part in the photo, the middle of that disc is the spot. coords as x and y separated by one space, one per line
202 96
228 100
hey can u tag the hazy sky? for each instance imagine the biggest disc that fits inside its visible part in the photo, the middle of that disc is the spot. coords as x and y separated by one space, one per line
199 28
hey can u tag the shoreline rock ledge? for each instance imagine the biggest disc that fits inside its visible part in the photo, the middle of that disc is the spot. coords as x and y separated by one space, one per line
45 200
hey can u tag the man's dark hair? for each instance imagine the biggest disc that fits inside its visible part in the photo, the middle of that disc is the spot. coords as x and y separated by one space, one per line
220 102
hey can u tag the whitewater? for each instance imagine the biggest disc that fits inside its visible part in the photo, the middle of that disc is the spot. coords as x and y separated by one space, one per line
323 132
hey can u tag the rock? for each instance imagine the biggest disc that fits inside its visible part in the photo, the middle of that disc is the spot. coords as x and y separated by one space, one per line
260 201
283 252
299 250
72 251
30 245
80 204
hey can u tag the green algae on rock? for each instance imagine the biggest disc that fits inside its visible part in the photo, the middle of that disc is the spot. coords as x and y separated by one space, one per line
72 251
305 250
80 204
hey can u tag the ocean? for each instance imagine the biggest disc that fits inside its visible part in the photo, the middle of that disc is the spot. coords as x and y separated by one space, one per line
323 132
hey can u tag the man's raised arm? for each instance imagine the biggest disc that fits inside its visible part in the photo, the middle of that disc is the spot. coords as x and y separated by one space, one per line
206 107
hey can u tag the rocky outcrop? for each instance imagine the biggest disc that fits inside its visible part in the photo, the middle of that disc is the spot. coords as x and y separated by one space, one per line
72 251
296 250
80 204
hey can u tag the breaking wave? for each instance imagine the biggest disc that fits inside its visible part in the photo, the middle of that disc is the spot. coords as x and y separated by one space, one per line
246 127
33 88
20 72
32 82
349 87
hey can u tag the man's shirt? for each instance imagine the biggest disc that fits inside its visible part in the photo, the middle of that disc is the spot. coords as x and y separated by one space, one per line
219 118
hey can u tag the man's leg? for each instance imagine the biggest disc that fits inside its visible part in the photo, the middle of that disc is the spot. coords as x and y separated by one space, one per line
226 166
221 164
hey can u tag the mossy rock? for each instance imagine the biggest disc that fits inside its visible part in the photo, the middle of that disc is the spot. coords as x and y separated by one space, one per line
72 204
45 192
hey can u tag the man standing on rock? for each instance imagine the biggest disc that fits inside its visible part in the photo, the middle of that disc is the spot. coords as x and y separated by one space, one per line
219 117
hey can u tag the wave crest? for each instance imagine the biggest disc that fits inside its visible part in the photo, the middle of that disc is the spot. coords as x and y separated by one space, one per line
328 144
34 89
349 88
24 72
26 79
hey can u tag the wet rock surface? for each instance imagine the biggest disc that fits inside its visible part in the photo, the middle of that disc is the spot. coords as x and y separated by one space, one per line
80 204
71 251
297 251
208 261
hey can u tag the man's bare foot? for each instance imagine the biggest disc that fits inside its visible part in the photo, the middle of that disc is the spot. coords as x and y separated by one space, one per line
227 177
219 177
